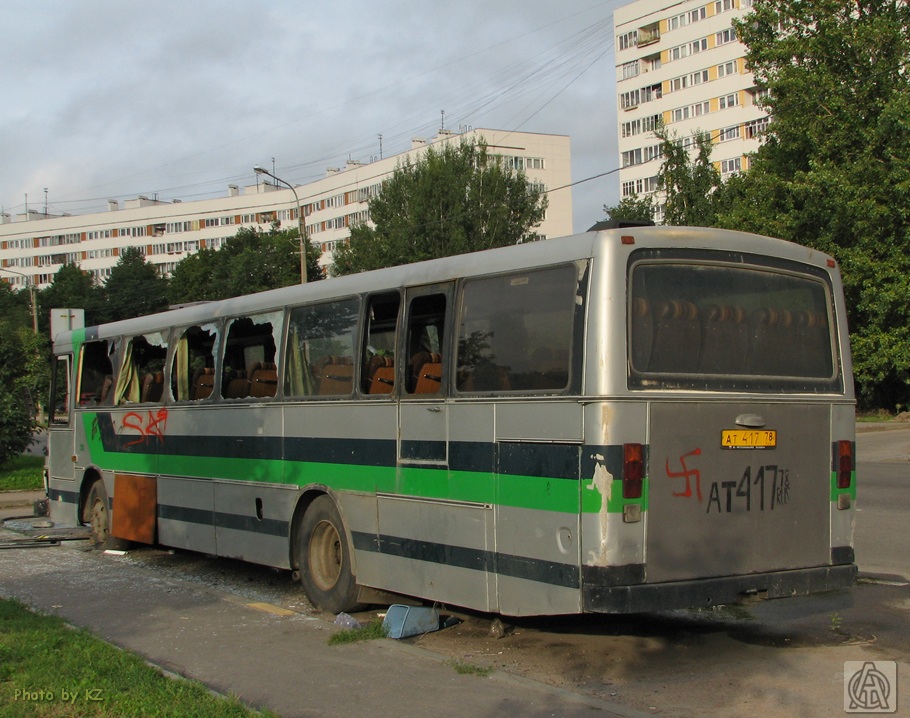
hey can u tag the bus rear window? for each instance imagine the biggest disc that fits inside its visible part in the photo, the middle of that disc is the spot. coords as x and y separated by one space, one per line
728 327
515 332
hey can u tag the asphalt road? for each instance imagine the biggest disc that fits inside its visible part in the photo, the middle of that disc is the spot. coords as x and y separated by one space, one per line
882 538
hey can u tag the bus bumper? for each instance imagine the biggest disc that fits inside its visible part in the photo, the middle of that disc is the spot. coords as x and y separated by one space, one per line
646 597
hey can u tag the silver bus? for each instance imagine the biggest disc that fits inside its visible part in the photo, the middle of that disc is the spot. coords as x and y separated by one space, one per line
623 420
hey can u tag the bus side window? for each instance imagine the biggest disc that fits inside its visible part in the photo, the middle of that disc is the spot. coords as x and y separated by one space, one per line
193 365
96 375
60 391
141 376
377 369
426 320
515 332
249 368
320 349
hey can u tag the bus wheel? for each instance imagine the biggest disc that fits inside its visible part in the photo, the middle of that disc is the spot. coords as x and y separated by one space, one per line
325 562
96 514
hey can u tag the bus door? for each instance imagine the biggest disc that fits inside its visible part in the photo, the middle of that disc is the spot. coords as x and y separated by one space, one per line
60 463
431 519
423 418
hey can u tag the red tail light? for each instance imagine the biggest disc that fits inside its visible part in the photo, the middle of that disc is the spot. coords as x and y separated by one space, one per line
633 471
844 464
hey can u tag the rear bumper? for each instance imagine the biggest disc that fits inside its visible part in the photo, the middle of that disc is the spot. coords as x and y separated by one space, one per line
646 597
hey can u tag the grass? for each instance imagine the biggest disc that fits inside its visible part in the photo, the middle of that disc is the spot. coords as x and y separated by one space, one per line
366 632
50 670
470 669
23 473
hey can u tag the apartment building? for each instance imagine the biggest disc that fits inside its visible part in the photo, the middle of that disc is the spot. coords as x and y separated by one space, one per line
681 63
34 246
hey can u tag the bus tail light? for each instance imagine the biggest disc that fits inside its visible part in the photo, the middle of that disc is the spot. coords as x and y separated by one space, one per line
844 464
633 471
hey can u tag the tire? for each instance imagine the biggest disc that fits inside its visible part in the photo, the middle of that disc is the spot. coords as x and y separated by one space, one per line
97 515
325 560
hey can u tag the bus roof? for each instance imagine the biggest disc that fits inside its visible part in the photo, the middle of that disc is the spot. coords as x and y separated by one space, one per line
492 261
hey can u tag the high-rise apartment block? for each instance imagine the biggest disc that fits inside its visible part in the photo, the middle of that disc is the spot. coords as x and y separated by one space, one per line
33 245
680 63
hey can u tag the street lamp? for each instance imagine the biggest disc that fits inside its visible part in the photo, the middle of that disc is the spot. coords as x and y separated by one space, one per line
259 171
31 293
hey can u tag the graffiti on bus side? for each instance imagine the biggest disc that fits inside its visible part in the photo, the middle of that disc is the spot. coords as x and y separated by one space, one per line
151 426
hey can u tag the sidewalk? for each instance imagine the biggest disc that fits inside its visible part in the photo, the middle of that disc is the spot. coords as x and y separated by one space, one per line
18 503
266 655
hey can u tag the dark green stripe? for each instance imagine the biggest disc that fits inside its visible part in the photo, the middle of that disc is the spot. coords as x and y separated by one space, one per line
531 569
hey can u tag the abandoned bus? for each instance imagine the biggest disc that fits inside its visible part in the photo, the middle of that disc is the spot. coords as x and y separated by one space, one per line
624 420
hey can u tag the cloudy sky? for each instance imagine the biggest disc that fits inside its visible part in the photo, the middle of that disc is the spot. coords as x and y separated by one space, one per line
111 99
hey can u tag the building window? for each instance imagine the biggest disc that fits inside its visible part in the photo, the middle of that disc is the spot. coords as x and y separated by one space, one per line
725 36
729 133
649 34
726 68
630 69
628 100
730 167
756 128
728 101
723 6
627 40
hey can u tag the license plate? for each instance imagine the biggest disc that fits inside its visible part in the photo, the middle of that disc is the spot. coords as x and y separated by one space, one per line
748 439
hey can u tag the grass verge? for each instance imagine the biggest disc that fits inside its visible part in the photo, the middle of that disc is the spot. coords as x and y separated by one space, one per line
23 473
50 670
366 632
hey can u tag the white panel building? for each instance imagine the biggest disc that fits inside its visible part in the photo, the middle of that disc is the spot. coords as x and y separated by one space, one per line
680 62
34 246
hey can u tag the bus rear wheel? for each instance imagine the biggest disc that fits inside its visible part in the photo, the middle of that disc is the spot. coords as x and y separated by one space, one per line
325 561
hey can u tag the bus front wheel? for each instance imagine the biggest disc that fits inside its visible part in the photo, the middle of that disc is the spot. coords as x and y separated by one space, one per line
325 561
97 516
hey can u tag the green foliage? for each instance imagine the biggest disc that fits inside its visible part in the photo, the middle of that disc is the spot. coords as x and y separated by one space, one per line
367 632
691 184
452 200
15 427
71 288
632 208
471 669
134 288
834 172
60 672
22 473
250 261
24 380
15 307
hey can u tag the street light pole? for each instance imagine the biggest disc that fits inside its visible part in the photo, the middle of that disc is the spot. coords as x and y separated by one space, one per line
31 294
259 171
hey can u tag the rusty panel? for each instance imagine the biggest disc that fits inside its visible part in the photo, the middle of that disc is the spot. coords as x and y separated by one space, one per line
135 508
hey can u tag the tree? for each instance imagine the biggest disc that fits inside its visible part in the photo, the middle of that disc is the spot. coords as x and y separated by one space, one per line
72 288
250 261
453 200
633 208
134 288
24 376
834 170
690 184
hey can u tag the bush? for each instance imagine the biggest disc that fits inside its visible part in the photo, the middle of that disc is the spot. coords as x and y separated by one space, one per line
16 427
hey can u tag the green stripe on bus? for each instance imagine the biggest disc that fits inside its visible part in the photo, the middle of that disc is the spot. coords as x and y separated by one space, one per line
528 492
835 492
